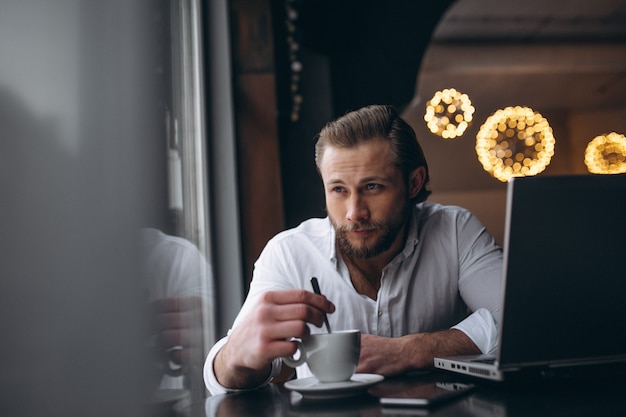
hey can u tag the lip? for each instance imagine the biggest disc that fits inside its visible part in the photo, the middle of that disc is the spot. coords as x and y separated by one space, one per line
361 233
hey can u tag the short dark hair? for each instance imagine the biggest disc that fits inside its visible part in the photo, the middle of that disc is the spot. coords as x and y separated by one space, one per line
376 122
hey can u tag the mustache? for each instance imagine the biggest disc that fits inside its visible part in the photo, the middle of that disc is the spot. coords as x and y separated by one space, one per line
359 227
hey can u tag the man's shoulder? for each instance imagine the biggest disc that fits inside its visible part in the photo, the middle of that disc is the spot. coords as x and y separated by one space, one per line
429 209
309 237
449 219
311 229
293 254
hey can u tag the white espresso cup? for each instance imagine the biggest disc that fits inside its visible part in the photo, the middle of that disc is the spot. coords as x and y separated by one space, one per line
332 357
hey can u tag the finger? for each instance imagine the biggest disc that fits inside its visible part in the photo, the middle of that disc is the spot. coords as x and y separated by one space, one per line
303 313
281 348
299 297
177 321
171 338
285 330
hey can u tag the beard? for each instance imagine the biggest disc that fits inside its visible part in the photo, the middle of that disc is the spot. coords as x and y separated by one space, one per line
388 231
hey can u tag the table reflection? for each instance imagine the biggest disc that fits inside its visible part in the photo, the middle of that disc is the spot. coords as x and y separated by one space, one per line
597 397
268 401
276 400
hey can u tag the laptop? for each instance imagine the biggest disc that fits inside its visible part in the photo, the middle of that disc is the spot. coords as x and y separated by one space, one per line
564 278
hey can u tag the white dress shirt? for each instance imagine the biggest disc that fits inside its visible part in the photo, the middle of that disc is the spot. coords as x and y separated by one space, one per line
174 267
450 267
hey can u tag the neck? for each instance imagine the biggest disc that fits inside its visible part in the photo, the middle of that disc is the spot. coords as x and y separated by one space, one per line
366 273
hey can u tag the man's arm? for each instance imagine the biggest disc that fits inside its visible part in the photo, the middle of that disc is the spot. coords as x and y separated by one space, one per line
390 356
245 360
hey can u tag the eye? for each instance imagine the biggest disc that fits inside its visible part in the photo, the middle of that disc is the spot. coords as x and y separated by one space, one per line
338 189
373 186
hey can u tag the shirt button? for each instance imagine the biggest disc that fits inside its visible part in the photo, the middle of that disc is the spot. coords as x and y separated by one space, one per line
380 312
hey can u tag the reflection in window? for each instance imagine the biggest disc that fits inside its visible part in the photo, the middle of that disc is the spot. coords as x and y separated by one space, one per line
177 268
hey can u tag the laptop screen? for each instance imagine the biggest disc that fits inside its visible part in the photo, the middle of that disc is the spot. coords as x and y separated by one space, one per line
565 269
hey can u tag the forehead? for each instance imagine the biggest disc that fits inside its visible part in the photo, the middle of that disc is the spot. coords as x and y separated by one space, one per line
372 158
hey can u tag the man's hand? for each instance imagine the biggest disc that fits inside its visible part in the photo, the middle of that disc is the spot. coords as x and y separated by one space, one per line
265 333
393 356
381 355
178 322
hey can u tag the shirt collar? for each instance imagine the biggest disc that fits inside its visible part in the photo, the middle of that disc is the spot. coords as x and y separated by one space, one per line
332 244
412 237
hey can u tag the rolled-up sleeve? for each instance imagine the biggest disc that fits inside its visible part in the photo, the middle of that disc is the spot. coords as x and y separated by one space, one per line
210 380
481 328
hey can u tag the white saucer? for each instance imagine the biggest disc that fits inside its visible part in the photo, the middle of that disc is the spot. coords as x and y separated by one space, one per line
312 388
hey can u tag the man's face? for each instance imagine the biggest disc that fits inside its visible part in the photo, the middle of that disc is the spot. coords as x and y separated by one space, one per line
366 198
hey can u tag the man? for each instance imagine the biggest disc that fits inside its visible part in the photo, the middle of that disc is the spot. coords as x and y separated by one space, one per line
417 279
178 283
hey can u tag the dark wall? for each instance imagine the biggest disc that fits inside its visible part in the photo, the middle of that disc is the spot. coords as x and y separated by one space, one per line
353 53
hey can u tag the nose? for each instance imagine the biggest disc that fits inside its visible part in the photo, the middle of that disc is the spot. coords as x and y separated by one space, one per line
357 209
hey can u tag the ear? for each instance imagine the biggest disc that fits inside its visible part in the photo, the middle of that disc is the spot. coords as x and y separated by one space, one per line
416 181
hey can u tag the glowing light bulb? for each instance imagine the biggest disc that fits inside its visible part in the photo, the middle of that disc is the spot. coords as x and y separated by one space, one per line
606 154
449 113
515 141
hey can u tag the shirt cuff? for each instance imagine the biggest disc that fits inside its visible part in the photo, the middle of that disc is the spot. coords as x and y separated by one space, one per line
481 328
210 380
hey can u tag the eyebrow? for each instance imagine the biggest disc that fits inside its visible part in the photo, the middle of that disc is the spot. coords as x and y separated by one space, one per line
365 180
375 179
